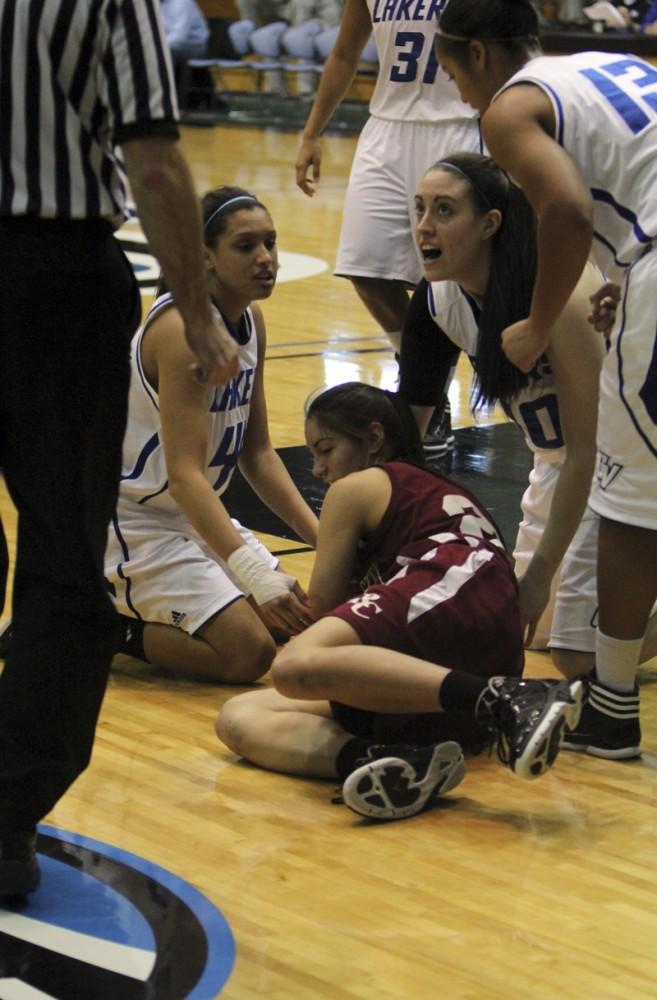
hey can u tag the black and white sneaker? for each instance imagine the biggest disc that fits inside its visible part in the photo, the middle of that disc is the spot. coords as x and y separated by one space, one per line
527 719
609 725
398 781
438 440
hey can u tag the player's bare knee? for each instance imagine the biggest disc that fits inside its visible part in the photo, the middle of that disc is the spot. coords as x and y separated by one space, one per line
294 675
231 725
250 659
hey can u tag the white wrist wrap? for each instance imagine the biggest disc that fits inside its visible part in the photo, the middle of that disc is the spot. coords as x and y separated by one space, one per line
256 578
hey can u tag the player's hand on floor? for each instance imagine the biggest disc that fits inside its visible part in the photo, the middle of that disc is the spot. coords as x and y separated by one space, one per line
534 596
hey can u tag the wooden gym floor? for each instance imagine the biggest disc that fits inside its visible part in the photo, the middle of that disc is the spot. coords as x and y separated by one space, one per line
540 890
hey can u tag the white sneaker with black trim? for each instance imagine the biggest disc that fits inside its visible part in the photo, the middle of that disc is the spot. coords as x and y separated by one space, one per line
398 781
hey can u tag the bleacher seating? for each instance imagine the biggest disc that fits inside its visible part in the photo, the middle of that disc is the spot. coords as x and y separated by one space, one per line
272 47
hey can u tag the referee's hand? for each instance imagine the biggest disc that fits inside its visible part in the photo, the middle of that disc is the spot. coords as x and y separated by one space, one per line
216 351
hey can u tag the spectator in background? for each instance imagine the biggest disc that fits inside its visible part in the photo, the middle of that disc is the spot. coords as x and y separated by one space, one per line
186 29
187 33
649 20
296 13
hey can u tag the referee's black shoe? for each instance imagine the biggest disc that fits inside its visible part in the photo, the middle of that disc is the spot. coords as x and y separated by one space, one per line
19 868
394 782
527 719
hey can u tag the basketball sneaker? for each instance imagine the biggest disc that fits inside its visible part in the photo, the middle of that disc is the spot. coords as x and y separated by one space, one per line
438 440
609 725
394 782
527 718
19 869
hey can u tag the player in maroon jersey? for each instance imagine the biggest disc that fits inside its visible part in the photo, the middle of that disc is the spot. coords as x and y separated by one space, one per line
417 618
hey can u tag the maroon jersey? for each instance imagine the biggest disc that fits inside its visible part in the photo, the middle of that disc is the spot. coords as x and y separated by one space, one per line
436 583
424 507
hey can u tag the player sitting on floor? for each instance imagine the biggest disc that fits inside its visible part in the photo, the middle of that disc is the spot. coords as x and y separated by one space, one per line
196 591
384 689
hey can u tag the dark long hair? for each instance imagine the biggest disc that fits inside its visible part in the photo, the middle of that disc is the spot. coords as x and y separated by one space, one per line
350 408
215 218
512 272
512 24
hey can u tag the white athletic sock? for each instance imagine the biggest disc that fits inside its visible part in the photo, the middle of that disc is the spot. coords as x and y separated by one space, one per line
616 661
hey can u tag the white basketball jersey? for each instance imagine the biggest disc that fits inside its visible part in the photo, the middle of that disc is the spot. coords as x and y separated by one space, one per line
605 107
410 85
144 478
535 409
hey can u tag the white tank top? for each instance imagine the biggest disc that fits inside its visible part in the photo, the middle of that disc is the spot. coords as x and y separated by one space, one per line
144 478
410 86
605 107
535 410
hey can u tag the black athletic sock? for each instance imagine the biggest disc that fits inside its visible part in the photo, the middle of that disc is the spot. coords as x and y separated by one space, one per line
131 638
459 692
348 758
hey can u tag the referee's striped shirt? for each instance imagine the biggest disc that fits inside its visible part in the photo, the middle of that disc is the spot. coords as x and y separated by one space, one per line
78 77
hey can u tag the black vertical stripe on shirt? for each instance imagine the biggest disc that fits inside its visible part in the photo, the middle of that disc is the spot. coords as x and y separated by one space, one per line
169 110
140 83
63 174
83 64
33 110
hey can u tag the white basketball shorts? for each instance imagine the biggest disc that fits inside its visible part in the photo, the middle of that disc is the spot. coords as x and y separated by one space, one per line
625 483
160 570
378 221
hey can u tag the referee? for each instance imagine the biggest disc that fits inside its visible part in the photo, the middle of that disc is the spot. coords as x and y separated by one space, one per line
78 78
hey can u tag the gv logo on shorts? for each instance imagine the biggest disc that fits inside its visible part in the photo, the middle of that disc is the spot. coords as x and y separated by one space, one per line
607 470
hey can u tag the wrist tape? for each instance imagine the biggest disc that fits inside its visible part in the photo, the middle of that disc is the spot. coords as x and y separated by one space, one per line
256 577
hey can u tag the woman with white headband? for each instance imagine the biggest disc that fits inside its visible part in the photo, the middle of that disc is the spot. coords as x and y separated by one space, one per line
196 591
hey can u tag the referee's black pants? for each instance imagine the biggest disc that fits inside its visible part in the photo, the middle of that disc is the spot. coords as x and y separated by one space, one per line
68 306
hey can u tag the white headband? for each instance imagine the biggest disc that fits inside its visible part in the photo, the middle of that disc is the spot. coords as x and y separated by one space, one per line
231 201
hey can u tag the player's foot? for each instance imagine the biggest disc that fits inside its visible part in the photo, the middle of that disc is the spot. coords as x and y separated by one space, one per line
439 438
398 781
609 725
527 719
19 869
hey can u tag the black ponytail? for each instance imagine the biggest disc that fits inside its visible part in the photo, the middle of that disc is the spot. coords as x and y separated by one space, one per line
507 300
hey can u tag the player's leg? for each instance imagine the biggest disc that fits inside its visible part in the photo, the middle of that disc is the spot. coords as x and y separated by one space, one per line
376 250
180 609
233 647
625 496
282 734
354 657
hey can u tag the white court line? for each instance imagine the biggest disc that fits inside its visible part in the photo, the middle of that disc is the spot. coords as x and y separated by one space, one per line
137 963
16 989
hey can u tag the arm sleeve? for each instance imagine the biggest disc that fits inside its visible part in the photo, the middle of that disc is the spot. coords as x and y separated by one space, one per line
427 354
